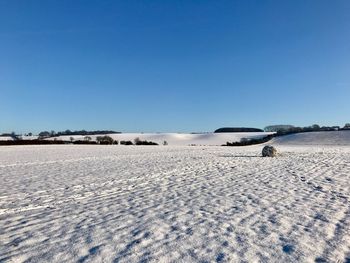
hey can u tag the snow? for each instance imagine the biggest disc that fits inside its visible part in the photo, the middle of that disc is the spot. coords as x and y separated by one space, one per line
177 139
6 138
86 203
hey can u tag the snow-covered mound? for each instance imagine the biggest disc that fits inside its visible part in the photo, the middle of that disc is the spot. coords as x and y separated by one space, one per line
177 139
315 138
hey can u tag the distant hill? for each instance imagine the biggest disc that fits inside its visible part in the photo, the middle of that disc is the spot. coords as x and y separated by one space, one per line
47 134
315 138
175 139
237 129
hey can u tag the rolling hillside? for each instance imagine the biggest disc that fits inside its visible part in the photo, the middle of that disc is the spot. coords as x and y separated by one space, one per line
315 138
178 139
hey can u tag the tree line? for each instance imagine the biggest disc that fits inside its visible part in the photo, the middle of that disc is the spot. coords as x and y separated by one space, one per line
47 134
237 129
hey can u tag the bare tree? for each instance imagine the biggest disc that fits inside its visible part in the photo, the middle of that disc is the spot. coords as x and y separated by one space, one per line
104 139
137 141
87 138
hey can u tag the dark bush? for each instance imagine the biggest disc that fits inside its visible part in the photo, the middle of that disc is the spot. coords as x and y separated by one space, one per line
137 141
146 143
126 143
104 143
84 142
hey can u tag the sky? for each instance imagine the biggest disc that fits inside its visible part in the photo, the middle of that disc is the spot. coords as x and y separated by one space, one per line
173 66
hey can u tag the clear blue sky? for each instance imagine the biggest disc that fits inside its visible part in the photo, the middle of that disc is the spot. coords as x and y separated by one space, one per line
173 65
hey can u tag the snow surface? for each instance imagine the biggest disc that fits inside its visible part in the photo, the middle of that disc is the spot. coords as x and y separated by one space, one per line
84 203
178 139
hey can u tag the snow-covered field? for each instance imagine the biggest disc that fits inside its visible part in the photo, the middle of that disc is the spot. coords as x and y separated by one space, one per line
72 203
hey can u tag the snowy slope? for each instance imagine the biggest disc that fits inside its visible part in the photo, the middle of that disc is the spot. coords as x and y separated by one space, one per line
178 139
315 138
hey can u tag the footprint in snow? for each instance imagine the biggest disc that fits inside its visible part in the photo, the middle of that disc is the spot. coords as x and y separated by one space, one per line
288 249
